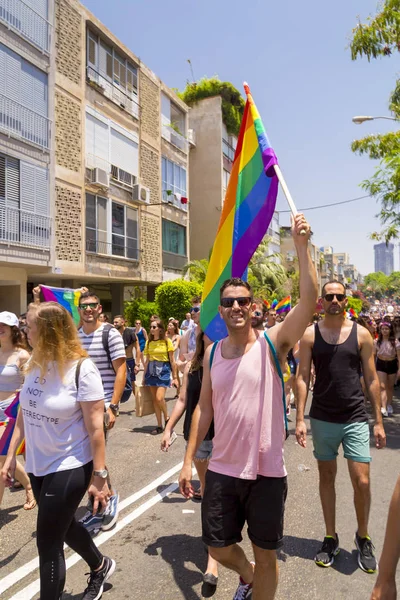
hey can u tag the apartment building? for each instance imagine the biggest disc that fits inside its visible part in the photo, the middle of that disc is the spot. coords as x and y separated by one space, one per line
289 254
210 166
116 159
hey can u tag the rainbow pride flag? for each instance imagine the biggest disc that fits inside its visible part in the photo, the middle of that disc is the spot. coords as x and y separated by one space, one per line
247 212
284 305
353 313
274 303
5 439
67 297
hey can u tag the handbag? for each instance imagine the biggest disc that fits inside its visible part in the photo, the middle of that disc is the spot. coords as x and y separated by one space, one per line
144 401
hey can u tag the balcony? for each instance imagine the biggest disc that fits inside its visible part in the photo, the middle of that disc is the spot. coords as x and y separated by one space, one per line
175 138
173 261
19 121
113 92
26 22
22 228
227 150
117 249
174 200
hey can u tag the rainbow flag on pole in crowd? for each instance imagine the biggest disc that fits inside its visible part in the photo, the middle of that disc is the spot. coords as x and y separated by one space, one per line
67 297
274 303
284 305
247 212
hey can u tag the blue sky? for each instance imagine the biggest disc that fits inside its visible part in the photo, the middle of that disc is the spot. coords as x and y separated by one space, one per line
296 59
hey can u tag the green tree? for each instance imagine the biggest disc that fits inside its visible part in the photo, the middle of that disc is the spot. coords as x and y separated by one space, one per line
354 303
140 308
173 298
266 275
197 270
380 36
376 284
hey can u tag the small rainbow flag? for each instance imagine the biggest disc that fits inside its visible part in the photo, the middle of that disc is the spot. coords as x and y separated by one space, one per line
274 303
284 305
353 313
267 304
247 212
12 413
67 297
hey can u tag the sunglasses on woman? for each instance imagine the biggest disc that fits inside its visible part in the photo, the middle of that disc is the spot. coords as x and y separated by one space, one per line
195 309
242 301
339 297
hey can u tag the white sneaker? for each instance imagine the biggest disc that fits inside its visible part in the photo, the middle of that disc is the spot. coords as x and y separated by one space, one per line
384 412
389 409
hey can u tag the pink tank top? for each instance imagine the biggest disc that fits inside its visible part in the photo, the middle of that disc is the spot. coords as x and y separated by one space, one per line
248 415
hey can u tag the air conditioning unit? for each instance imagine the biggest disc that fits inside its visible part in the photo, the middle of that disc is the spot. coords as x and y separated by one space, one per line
141 193
191 136
122 176
100 177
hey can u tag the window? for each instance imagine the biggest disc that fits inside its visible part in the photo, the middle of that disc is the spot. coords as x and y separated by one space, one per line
225 181
111 228
173 123
173 238
173 180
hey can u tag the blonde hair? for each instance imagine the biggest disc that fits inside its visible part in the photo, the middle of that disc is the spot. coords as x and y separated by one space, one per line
58 340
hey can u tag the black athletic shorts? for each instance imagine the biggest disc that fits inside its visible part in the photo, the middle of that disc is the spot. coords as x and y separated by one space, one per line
229 502
387 366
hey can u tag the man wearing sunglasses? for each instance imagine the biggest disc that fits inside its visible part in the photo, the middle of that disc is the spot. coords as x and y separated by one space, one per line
243 392
340 349
258 314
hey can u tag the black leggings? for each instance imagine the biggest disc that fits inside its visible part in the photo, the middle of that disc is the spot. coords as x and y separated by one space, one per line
58 496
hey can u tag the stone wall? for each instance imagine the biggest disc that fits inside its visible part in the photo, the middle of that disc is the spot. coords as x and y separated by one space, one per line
68 41
68 133
150 107
151 247
68 224
150 175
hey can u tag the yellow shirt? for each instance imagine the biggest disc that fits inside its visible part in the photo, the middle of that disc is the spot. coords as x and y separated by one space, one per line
157 349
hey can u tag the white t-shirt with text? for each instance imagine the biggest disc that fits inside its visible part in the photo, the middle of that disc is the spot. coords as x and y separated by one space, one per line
55 433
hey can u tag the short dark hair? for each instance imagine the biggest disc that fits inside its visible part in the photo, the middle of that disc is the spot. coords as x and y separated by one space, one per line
260 302
333 281
119 317
196 300
87 295
235 282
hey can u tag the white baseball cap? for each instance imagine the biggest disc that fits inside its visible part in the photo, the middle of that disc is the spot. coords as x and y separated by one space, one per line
8 318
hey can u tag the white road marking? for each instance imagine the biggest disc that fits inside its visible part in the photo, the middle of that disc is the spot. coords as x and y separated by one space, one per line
26 569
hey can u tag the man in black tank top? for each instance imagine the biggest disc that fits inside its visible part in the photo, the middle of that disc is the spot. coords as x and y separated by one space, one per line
340 349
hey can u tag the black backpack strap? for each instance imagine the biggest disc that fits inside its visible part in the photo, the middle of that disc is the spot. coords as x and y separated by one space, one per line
78 371
104 338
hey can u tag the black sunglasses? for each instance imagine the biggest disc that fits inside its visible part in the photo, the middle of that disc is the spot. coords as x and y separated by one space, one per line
195 309
90 305
339 297
242 301
154 327
257 313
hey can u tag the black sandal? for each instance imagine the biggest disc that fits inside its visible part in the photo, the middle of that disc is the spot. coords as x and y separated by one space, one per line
156 431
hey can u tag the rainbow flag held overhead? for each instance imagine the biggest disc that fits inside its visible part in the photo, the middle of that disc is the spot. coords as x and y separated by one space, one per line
267 304
284 305
274 303
67 297
247 212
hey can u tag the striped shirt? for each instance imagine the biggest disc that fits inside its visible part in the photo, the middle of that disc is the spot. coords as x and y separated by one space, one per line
93 344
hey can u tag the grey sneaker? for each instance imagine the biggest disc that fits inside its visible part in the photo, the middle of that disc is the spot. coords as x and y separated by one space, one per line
111 513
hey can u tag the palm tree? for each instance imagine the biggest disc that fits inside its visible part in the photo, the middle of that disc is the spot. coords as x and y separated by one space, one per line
265 271
197 270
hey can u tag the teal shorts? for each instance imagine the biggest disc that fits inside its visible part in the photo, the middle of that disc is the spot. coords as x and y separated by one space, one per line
354 438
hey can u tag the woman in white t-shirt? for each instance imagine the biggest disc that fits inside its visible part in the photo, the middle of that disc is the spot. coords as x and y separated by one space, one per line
61 416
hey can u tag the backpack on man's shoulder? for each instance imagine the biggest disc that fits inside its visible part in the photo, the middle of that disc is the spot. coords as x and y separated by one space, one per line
105 337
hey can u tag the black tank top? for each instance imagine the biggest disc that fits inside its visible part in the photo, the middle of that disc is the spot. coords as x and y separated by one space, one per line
192 398
338 395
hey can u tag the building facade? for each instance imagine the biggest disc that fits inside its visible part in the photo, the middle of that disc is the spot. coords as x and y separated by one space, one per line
289 254
384 258
108 141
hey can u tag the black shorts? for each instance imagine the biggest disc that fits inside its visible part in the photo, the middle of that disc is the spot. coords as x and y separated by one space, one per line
229 502
387 366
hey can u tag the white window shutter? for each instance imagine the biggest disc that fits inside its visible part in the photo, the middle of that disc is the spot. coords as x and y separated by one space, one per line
42 201
124 153
12 182
13 74
27 187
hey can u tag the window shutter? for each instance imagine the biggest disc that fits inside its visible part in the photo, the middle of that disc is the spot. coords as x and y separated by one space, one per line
12 182
27 187
2 180
124 152
40 6
97 138
42 201
13 74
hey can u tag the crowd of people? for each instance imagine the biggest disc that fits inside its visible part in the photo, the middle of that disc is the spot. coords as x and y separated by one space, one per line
61 387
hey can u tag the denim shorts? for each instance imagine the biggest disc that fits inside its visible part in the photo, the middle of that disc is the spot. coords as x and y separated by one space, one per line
204 451
354 437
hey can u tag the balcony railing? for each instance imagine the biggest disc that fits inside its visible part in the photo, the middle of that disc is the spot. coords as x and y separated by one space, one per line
174 200
228 150
24 228
175 138
114 92
115 249
27 22
16 119
173 261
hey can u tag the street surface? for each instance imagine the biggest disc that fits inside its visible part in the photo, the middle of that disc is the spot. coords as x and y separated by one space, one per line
157 544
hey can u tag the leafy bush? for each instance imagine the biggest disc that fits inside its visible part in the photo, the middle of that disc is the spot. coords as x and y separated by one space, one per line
173 298
232 100
355 303
139 308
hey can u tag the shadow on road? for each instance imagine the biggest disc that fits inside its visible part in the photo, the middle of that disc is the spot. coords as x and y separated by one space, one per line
345 563
178 551
68 596
6 516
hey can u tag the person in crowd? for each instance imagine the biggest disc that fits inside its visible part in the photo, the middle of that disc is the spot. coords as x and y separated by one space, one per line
271 318
174 336
259 314
103 318
131 344
387 353
188 322
13 356
141 334
61 416
105 347
385 586
188 340
159 363
188 400
246 477
339 349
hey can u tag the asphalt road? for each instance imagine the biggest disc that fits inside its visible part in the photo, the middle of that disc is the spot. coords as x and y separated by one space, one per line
157 544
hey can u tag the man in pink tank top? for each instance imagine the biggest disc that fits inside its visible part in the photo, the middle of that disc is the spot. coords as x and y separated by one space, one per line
242 391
